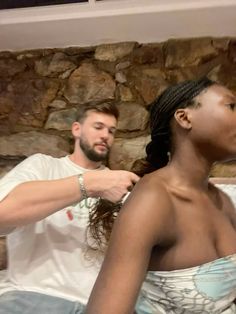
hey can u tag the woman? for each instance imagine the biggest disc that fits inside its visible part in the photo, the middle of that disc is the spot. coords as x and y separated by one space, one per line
175 224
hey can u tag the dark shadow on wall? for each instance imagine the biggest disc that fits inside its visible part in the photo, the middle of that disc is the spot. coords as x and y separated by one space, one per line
13 4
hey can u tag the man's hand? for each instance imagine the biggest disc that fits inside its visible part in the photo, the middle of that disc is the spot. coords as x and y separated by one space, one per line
109 184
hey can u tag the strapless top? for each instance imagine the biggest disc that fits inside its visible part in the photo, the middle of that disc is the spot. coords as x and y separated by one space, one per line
208 288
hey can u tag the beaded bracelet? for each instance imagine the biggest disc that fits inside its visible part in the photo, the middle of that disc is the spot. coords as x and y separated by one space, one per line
82 187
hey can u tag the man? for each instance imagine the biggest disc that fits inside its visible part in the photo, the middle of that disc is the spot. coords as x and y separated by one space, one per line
45 204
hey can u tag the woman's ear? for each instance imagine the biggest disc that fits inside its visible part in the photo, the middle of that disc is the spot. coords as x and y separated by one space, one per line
183 118
76 129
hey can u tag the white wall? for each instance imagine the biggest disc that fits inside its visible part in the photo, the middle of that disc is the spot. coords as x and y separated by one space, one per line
86 24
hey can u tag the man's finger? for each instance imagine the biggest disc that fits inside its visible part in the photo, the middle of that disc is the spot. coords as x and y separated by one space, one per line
135 178
130 188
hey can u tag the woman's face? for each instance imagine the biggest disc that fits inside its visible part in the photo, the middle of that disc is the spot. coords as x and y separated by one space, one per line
214 122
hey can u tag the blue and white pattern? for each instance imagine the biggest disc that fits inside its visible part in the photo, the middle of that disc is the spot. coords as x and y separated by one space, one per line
208 288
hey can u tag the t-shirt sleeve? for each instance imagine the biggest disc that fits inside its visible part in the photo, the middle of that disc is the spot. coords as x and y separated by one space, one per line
31 169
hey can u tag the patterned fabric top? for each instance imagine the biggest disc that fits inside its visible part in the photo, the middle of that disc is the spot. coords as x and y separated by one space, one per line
208 288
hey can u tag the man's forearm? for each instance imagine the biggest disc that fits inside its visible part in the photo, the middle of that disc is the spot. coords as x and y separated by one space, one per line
35 200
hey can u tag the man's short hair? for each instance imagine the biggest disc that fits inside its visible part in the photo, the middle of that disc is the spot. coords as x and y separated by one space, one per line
108 108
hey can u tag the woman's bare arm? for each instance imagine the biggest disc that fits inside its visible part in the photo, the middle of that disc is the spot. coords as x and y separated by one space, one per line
142 224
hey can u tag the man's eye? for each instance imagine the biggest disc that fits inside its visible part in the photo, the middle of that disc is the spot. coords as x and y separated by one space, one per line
232 106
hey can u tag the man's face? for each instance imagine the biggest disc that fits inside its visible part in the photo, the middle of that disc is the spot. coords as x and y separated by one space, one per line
97 135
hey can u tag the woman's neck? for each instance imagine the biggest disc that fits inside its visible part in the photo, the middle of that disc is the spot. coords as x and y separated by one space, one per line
192 170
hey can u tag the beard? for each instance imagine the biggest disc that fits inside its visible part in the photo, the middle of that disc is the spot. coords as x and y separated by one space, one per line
90 152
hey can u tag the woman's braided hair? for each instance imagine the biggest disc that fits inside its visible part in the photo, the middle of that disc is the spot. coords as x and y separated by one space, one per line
162 111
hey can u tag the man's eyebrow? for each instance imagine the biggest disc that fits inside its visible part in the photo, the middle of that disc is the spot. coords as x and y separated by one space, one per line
103 124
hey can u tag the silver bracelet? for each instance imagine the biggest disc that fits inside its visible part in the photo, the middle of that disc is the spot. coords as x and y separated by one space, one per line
82 187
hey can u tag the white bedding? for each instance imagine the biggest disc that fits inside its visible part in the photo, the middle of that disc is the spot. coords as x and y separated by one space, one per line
2 274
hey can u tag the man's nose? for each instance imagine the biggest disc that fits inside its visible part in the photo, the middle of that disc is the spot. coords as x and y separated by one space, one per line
105 134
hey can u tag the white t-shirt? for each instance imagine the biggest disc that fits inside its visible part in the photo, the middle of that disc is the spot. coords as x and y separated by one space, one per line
52 255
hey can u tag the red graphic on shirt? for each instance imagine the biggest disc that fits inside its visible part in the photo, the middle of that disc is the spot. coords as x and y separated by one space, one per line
69 214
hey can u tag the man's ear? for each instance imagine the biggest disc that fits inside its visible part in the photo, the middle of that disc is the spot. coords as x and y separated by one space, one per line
183 118
76 129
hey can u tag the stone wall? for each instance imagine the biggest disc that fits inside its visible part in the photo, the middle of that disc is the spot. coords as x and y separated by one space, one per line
41 89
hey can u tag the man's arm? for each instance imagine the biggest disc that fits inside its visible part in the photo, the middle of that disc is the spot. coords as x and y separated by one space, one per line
142 223
32 201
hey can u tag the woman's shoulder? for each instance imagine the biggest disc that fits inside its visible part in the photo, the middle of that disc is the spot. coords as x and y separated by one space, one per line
149 207
152 193
155 183
226 199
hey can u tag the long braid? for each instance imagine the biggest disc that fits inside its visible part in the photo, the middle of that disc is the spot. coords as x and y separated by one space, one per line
163 108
